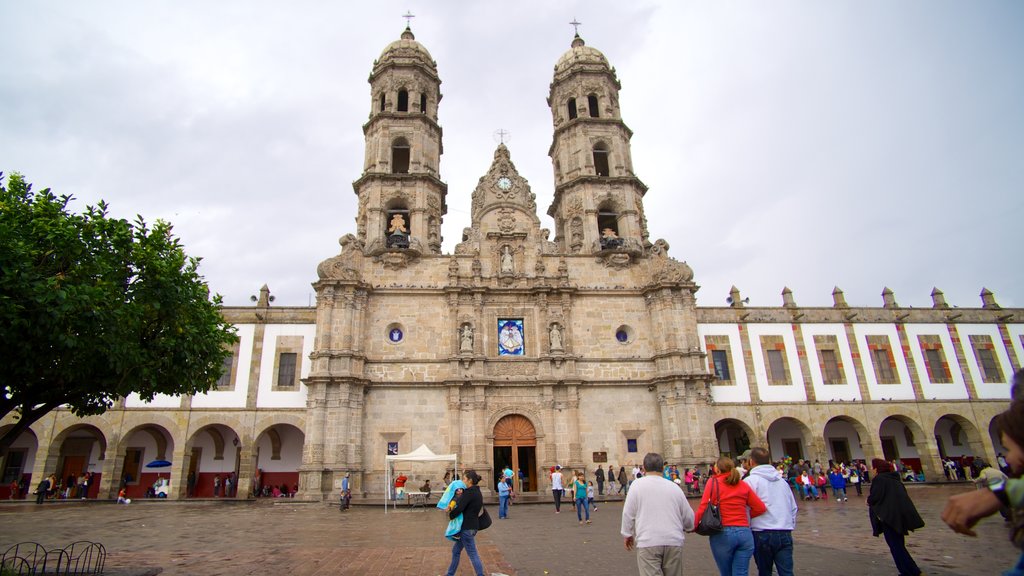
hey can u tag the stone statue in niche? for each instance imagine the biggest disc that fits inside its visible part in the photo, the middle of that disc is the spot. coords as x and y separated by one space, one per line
507 266
466 338
555 335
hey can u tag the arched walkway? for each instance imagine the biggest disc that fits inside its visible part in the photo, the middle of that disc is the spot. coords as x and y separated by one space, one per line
278 458
515 446
789 437
734 437
212 454
905 442
958 439
843 439
141 454
81 448
17 464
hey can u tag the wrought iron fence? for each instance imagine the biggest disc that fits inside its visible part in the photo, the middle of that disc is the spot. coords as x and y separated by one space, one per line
82 558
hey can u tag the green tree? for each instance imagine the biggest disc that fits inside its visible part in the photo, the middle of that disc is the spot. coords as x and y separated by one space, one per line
93 308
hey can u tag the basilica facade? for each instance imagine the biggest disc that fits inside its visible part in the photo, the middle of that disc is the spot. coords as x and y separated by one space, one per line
527 347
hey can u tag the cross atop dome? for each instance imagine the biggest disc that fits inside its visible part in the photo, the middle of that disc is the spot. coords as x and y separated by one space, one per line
576 26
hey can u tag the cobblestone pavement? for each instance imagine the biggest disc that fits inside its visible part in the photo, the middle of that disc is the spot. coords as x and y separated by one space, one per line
298 539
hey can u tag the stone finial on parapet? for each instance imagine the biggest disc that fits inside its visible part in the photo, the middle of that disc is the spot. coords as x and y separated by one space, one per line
888 299
938 299
838 300
988 299
734 298
265 298
787 298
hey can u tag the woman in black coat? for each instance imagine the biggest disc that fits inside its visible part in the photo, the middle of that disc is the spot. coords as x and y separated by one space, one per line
469 505
893 515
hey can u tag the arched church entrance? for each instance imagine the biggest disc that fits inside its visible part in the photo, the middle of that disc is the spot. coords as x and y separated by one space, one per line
515 446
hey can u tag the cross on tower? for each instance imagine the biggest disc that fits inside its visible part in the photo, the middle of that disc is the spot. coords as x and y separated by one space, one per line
408 17
502 133
576 26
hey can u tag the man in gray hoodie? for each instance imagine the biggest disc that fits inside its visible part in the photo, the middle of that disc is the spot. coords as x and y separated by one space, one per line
773 530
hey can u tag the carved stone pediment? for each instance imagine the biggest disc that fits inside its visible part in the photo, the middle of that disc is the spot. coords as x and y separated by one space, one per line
344 266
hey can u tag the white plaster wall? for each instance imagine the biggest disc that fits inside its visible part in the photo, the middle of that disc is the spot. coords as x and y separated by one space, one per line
985 390
827 392
143 440
26 441
1016 332
894 428
902 391
943 430
233 398
956 390
284 399
739 390
836 429
207 462
291 451
792 392
785 429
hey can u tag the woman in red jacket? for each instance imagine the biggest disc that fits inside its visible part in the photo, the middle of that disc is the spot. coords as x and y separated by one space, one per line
734 545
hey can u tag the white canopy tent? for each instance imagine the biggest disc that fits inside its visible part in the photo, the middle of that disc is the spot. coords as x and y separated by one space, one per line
421 454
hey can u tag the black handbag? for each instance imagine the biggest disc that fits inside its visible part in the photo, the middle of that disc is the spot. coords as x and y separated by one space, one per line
711 520
484 522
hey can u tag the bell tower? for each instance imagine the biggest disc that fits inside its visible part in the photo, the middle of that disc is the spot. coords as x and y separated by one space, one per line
401 196
598 203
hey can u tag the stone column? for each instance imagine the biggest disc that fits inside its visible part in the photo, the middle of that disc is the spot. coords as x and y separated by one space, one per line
246 468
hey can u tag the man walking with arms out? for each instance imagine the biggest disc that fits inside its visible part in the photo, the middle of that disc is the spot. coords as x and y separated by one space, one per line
654 517
773 530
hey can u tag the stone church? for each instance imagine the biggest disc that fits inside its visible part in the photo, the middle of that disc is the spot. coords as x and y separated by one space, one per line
528 348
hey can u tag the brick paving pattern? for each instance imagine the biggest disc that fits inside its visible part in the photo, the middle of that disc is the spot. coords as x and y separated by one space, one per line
298 539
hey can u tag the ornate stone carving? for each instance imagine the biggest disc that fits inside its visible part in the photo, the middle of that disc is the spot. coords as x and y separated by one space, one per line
346 265
574 206
616 260
506 220
666 269
470 244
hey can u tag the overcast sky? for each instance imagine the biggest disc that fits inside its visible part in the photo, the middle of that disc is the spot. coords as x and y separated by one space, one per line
805 144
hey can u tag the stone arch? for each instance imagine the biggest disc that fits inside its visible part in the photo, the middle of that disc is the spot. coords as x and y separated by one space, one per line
840 445
734 436
23 451
518 452
275 457
789 436
403 100
920 452
213 449
964 435
64 460
994 435
134 464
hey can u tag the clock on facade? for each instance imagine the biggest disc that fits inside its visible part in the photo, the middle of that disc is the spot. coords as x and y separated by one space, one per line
505 183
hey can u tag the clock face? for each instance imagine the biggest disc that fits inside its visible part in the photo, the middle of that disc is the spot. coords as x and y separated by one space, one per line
504 183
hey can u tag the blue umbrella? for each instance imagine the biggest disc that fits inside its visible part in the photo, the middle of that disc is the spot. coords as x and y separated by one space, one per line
158 464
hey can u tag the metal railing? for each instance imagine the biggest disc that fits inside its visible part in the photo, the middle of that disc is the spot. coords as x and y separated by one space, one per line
82 558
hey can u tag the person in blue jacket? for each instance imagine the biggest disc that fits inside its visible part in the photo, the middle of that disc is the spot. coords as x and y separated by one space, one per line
504 493
838 483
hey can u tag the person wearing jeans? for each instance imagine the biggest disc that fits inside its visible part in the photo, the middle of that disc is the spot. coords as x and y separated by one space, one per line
732 549
503 495
737 502
469 504
579 489
556 488
773 530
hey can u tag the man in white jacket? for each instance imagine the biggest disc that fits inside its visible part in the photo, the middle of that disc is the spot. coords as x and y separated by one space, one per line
773 530
654 517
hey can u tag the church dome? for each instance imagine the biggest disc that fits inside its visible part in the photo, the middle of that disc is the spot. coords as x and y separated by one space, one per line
580 57
405 50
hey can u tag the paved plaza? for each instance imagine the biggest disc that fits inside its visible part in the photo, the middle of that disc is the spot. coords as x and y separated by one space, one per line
300 539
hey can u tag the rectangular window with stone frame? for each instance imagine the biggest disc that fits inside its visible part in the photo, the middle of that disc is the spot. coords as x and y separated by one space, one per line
287 363
773 349
226 382
882 360
827 347
934 359
718 354
985 353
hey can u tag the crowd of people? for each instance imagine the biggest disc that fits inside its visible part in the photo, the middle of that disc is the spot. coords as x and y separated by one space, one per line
54 488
